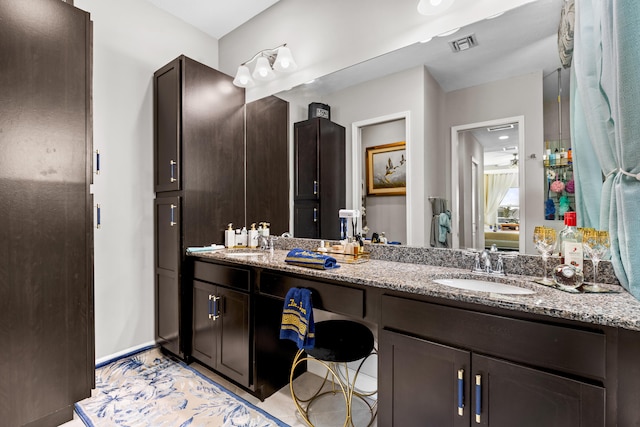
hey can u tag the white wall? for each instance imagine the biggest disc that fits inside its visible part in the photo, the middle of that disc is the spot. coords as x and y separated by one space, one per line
131 40
509 98
384 212
329 35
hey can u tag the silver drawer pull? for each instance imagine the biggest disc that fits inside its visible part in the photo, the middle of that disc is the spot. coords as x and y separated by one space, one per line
172 165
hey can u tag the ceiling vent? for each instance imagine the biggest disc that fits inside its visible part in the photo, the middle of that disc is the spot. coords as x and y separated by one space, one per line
500 127
464 43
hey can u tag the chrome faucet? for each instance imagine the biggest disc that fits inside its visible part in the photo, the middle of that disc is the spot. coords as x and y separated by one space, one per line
482 263
266 243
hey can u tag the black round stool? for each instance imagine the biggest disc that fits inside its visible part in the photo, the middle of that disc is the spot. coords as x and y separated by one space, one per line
337 342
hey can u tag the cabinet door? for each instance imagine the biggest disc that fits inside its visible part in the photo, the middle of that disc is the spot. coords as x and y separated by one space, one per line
306 219
233 335
204 333
167 270
514 395
306 179
167 129
418 383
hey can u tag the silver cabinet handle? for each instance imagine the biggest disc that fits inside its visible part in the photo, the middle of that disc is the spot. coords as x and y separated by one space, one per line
461 392
315 188
315 214
97 162
173 222
478 397
213 307
98 220
172 165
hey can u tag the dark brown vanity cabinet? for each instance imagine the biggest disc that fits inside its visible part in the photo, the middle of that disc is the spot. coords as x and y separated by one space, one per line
319 178
221 322
446 366
47 357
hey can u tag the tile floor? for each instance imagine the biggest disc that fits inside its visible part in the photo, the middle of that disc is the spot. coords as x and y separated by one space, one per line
280 404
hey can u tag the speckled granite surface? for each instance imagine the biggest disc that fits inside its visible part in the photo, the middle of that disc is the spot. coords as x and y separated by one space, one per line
527 265
612 309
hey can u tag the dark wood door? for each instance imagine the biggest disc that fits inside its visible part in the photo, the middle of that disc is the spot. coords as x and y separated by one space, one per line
167 129
46 246
233 335
418 383
204 343
307 172
514 395
306 219
267 162
167 271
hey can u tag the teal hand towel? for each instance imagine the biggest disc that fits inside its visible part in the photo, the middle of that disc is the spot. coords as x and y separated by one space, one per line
303 258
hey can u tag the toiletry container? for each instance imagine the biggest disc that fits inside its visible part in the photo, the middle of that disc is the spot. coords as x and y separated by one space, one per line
322 247
229 237
252 236
243 237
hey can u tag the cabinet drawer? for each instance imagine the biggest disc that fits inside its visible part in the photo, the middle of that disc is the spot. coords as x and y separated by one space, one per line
325 296
555 347
222 275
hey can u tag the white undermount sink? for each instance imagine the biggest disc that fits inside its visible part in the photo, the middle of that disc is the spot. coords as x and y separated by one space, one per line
484 286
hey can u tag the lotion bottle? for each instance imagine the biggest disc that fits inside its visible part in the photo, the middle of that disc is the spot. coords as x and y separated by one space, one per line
253 236
229 236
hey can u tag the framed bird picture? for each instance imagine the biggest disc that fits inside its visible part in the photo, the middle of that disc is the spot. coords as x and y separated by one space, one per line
387 169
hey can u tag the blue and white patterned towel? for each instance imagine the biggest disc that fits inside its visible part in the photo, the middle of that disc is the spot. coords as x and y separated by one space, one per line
297 318
303 258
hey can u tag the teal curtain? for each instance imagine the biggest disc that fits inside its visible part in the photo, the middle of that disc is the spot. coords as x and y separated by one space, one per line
606 118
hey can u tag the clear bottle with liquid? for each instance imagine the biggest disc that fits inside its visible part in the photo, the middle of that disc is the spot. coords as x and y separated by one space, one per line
570 242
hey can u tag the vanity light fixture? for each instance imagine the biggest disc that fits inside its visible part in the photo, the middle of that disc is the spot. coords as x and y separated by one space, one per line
267 61
433 7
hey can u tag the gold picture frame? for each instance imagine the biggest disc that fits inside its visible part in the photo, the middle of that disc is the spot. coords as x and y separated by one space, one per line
387 169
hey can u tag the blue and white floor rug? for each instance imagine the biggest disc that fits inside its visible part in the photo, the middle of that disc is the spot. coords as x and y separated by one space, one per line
150 389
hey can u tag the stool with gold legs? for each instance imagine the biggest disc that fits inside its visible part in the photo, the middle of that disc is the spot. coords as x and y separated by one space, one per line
337 342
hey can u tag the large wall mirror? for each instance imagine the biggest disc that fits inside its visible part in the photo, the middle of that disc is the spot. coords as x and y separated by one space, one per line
496 73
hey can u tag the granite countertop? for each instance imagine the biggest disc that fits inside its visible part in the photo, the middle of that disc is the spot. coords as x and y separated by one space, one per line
619 310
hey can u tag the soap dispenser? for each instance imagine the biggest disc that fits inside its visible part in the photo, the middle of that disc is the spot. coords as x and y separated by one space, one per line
229 236
243 237
253 236
265 229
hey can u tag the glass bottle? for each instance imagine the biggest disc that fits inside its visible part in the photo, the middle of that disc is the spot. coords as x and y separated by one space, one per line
570 240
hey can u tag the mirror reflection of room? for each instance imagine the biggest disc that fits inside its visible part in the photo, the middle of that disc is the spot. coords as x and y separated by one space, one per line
490 159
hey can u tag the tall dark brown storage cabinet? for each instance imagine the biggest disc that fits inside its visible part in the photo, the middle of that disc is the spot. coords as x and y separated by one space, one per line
267 136
199 181
320 185
46 244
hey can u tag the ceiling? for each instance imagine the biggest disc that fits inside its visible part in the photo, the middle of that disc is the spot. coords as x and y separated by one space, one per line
214 17
521 41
